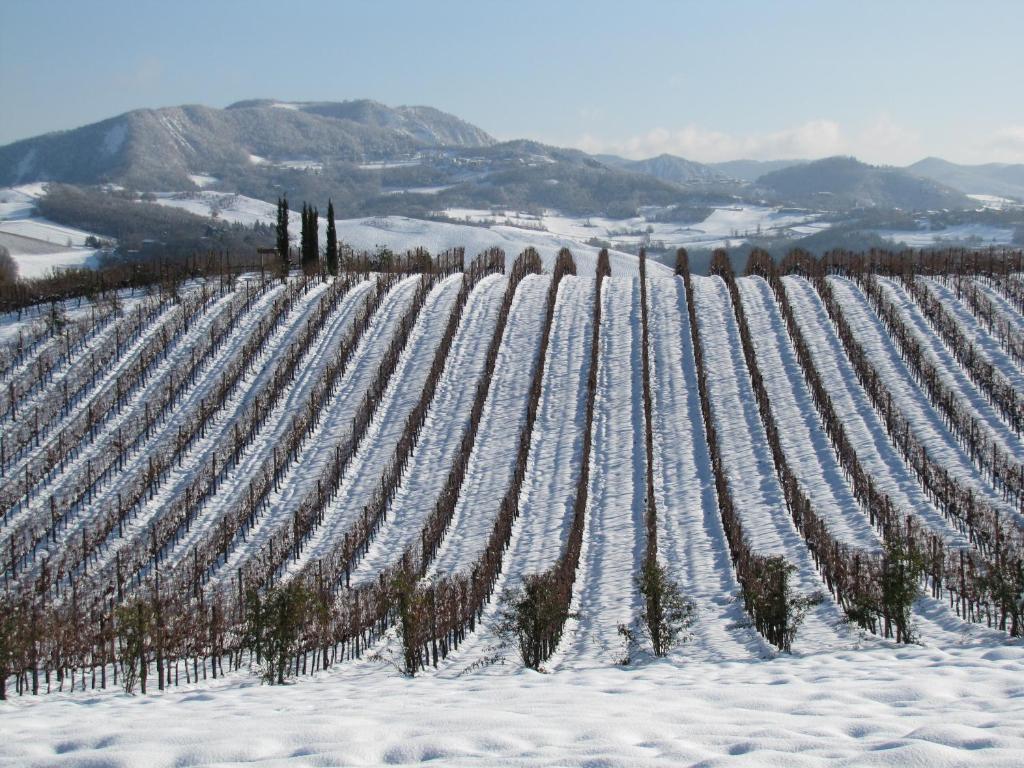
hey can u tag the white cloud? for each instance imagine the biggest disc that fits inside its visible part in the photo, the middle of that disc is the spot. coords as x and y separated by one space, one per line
878 140
816 138
1007 143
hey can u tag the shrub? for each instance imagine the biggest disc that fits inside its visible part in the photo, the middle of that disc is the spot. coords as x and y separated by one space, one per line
667 613
902 570
135 621
410 601
530 617
777 611
274 623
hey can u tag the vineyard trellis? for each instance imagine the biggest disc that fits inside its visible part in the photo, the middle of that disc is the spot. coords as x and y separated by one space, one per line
91 599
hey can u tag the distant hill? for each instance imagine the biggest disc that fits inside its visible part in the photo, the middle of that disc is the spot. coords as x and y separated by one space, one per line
164 148
1000 179
751 170
840 183
677 170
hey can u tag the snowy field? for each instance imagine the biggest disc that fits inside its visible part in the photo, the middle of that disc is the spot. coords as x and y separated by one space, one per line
723 696
908 707
478 229
975 235
38 245
724 227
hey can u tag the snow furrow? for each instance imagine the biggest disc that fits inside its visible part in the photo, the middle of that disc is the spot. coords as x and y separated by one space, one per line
221 423
748 463
491 465
862 423
91 392
378 444
975 402
441 433
988 346
908 397
335 423
315 361
805 443
691 540
107 498
553 467
57 482
613 540
1002 304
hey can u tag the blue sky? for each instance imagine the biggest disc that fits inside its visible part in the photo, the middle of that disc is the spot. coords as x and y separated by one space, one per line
890 82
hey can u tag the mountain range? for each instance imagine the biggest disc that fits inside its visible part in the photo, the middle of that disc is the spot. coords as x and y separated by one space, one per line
372 159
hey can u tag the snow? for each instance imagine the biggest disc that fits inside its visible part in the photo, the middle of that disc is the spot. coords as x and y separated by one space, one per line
47 231
317 450
202 180
385 164
691 541
446 420
363 474
613 539
805 443
114 138
995 202
399 233
954 377
925 421
36 244
971 234
235 209
987 345
722 228
492 462
748 464
895 707
724 695
862 423
553 466
32 265
556 449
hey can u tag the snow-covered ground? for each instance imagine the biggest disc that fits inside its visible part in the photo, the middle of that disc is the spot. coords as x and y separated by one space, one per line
723 227
613 537
691 541
747 462
974 235
362 476
446 420
864 426
492 462
896 707
908 396
36 244
400 233
724 696
804 440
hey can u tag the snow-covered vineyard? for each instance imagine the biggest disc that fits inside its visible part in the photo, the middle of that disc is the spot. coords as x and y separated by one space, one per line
470 467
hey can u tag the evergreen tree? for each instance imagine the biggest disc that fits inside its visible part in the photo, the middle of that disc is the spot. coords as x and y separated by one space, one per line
310 237
304 236
332 241
282 235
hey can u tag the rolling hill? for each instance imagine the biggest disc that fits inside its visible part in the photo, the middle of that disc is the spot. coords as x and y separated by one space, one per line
837 183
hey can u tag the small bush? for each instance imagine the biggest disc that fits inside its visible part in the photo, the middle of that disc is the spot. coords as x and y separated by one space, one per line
273 626
776 610
531 618
902 570
667 614
411 603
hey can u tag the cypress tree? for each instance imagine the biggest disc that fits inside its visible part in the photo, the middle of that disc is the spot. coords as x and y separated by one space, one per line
332 240
310 245
282 235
